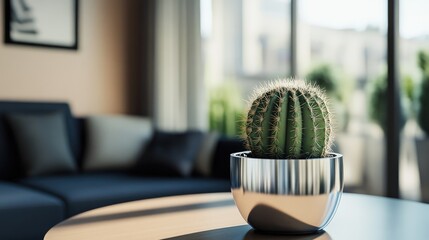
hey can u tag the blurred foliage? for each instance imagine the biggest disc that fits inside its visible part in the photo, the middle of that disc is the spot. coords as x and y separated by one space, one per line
378 99
323 77
339 89
423 61
423 99
409 95
408 87
226 110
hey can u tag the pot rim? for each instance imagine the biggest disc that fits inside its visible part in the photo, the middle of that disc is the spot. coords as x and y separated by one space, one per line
243 154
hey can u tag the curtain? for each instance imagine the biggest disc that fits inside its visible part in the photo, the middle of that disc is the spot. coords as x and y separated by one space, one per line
179 95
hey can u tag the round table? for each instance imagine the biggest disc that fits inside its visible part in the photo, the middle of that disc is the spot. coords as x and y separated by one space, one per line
214 216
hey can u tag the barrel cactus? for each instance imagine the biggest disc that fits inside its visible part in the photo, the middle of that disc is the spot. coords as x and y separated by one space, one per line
288 119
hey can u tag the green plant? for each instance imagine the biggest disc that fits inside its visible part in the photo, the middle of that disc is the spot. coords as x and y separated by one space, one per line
423 113
323 77
225 109
377 103
328 79
289 119
408 87
423 61
409 95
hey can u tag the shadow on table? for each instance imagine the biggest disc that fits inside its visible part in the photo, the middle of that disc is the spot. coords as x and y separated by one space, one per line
146 212
245 232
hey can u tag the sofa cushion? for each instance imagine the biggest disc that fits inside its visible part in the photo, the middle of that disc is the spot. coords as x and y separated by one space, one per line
115 142
221 162
170 154
9 164
26 213
42 142
92 190
203 162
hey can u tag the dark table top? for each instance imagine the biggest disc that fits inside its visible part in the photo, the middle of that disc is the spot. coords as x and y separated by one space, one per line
358 217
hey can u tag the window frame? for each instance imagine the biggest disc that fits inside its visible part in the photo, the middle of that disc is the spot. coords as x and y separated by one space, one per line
393 85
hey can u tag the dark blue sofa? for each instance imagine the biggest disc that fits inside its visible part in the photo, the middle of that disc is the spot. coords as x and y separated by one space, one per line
29 207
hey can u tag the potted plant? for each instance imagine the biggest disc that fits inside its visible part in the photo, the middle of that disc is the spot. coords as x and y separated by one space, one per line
375 142
374 173
350 142
288 181
422 142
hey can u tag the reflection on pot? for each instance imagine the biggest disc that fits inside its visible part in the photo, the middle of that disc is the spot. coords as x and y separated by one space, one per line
287 195
254 235
244 232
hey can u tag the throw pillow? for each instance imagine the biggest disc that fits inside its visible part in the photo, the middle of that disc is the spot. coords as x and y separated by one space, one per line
170 154
115 142
42 143
203 162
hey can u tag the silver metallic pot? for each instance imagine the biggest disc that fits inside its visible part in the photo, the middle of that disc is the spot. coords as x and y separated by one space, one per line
291 196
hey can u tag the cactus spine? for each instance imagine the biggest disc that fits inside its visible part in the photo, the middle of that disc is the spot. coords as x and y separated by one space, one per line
289 119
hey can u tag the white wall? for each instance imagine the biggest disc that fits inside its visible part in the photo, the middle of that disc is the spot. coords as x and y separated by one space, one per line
93 79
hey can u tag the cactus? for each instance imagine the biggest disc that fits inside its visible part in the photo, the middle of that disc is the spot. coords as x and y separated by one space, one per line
289 119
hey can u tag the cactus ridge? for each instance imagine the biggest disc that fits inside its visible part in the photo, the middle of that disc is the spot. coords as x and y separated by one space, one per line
288 119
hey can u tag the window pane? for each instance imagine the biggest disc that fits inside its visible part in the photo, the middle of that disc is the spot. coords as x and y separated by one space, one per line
342 47
414 76
244 43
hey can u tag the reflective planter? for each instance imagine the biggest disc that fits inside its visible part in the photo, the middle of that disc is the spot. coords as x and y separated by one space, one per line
292 196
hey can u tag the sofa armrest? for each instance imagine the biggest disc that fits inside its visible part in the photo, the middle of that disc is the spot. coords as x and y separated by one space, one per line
220 161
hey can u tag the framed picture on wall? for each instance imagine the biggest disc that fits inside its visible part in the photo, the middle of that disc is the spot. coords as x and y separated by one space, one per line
43 23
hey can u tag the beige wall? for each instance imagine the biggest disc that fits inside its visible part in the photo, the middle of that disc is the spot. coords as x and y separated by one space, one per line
93 79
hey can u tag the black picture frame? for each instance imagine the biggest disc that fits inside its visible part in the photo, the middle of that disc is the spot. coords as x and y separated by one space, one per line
24 36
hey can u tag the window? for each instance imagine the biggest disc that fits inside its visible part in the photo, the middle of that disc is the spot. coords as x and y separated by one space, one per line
345 53
341 45
244 43
413 45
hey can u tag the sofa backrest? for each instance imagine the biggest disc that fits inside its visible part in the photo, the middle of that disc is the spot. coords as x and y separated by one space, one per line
9 161
224 148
